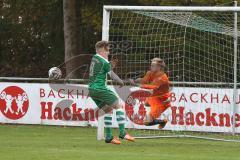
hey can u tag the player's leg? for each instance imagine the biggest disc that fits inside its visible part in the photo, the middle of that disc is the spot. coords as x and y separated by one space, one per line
108 119
112 100
158 106
121 119
163 122
153 114
105 111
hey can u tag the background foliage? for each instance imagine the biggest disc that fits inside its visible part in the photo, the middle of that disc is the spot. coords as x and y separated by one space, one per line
31 31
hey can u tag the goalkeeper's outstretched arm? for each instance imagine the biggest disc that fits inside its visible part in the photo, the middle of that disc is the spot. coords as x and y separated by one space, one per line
138 80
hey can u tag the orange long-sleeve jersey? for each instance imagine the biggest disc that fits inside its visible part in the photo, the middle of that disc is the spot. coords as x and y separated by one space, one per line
158 81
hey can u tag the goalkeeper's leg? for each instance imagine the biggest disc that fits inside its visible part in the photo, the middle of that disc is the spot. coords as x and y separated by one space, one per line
158 106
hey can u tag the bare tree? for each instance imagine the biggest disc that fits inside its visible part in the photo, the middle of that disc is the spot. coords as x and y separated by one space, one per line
70 37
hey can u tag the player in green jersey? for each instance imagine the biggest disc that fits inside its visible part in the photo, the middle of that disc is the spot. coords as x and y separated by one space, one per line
105 98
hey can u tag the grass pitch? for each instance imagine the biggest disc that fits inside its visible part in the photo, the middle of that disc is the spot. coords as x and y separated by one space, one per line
20 142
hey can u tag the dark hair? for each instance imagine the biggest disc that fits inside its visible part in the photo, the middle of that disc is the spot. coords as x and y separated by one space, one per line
101 44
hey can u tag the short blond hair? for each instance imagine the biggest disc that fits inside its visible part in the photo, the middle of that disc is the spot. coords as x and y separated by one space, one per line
101 45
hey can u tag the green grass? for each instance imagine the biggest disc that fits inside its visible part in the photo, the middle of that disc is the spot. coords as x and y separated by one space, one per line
20 142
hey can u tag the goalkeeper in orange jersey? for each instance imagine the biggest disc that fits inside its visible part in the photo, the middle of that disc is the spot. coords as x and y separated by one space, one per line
157 81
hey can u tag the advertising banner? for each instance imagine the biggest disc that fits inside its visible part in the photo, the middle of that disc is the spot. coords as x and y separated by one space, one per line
192 109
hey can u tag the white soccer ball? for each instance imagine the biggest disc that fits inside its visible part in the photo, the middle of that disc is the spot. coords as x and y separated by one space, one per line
54 73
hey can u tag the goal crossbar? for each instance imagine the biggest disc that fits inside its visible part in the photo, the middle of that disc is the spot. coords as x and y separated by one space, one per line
170 8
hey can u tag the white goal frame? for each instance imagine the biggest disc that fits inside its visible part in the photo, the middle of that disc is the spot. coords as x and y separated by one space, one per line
234 9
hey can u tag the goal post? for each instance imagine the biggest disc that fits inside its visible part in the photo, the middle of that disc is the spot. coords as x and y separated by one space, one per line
235 91
200 48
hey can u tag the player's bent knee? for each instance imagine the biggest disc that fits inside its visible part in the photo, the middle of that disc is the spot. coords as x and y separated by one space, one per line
107 109
116 105
119 106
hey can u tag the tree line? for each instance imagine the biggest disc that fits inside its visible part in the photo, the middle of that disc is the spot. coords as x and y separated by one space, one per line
36 35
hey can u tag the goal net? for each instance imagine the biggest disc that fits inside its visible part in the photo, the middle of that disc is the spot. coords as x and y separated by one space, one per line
199 48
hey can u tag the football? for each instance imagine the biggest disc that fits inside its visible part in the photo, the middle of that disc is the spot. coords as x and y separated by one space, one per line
54 73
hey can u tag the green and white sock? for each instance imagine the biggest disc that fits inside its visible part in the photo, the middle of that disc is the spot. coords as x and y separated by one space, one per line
121 121
108 125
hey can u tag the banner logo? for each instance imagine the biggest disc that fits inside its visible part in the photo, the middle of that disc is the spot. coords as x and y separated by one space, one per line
14 102
135 106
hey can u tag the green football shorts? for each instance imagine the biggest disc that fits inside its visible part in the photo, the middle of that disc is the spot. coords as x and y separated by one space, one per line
103 96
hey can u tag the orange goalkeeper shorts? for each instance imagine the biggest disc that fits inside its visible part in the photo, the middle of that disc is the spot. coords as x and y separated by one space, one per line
158 105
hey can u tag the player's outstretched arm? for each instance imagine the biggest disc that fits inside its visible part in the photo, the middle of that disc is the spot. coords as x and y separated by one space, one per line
135 82
115 77
140 81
